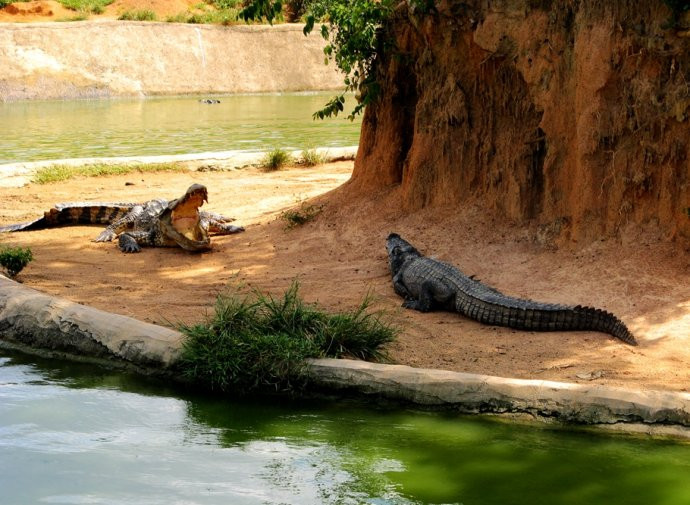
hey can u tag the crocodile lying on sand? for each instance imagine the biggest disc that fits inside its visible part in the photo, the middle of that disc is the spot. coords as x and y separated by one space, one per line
156 223
427 284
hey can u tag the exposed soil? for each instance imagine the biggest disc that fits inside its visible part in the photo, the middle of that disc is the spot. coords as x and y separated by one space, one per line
340 256
51 10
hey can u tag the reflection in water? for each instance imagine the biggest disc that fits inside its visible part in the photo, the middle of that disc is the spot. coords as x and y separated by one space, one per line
74 433
41 130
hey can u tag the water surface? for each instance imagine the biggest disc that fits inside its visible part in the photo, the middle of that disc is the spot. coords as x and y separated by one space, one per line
42 130
78 434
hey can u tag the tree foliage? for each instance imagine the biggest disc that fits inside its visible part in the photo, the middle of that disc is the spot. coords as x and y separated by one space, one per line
355 35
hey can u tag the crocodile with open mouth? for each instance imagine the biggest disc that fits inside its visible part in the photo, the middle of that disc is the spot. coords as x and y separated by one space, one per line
156 223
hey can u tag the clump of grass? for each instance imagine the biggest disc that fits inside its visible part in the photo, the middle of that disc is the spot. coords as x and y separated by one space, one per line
14 259
217 17
57 173
300 215
255 341
77 17
138 15
311 157
276 159
86 6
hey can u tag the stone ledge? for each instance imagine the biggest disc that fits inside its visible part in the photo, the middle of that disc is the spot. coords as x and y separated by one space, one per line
586 404
37 321
34 319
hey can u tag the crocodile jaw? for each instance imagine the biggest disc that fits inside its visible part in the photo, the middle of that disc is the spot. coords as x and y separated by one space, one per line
182 224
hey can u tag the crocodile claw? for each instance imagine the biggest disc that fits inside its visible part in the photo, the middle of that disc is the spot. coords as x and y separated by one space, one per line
127 244
106 236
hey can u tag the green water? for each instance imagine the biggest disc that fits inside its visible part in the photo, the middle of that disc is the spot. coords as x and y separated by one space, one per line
40 130
76 434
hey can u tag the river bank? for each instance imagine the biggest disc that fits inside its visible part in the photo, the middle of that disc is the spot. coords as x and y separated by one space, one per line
344 245
37 323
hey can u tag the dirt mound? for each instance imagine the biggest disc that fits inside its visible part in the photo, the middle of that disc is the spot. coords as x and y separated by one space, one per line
51 10
40 10
340 257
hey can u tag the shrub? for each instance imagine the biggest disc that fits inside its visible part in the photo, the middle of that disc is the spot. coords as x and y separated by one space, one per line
276 159
255 341
14 259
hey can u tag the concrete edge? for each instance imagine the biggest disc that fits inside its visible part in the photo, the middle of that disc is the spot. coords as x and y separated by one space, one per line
36 322
20 174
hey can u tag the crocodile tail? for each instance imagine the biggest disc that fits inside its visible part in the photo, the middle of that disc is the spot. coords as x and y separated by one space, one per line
590 318
535 316
73 213
567 318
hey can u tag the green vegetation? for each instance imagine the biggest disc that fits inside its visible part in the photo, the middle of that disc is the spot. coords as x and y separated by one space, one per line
257 341
311 157
218 17
4 3
86 6
301 215
276 159
356 35
57 173
14 259
138 15
77 17
224 4
223 12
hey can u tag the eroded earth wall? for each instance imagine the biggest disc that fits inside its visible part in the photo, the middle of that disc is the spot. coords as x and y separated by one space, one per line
118 58
573 115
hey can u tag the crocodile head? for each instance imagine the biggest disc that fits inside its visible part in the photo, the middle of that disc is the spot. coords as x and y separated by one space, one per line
181 223
399 251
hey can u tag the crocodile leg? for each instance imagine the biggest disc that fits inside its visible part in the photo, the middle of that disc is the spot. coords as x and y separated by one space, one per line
132 241
217 224
432 294
121 225
399 286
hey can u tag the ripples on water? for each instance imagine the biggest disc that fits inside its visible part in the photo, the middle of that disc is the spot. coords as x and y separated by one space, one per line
77 434
40 130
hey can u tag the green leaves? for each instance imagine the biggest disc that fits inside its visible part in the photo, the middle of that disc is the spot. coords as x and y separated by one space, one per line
332 108
258 9
356 34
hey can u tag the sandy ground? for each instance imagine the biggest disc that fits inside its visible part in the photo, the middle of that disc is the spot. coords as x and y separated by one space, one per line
340 257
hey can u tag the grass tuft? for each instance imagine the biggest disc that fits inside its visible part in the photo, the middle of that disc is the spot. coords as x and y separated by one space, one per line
276 159
86 6
300 215
14 259
226 17
138 15
57 173
257 341
311 157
